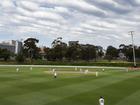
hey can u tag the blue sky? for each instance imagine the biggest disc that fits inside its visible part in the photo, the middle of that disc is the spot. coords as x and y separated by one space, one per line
98 22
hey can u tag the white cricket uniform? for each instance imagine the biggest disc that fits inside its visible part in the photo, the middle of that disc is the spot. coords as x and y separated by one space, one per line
101 101
55 74
17 69
96 74
53 70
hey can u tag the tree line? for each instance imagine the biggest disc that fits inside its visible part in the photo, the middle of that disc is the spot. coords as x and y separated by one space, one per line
61 51
5 54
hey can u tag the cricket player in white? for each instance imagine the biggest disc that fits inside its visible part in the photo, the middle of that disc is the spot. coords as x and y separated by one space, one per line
53 70
81 70
96 74
86 71
17 69
55 74
101 101
31 68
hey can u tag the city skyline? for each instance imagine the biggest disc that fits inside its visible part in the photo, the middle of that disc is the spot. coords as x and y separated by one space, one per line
98 22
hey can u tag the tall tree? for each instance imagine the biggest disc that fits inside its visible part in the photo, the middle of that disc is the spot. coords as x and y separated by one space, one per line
88 52
57 42
99 51
73 52
58 50
138 52
111 53
127 50
30 48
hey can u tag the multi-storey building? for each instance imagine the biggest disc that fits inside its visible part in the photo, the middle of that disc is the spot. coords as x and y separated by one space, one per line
13 46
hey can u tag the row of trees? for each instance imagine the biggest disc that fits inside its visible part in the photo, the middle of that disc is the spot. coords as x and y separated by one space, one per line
123 52
61 51
5 54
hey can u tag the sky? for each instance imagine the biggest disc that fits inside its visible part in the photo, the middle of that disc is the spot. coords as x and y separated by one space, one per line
98 22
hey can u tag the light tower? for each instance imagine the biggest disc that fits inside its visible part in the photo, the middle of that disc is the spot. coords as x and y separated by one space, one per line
134 58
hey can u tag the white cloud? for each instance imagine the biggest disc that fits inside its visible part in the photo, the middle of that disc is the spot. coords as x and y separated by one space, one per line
6 4
61 9
138 2
100 22
29 5
46 14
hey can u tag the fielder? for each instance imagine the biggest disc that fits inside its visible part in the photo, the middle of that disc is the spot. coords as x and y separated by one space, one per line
81 70
55 75
53 70
86 71
17 69
101 101
31 68
96 74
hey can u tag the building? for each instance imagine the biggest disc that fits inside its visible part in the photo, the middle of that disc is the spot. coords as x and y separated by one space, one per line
18 47
122 56
42 53
12 46
73 43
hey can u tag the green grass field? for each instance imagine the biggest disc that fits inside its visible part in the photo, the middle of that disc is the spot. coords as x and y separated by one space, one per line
39 87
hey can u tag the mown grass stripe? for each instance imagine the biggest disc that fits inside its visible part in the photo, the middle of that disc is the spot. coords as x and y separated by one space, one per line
133 99
29 87
51 95
113 93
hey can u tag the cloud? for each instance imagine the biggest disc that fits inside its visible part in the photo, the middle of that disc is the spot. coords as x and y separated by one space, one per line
6 4
99 22
31 6
111 6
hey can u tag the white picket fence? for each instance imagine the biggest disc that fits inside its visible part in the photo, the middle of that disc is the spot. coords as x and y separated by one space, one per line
60 66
